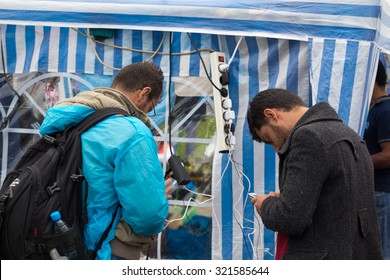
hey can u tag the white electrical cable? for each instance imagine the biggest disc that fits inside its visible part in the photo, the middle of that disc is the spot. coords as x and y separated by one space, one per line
185 212
187 189
235 50
218 184
253 228
159 246
188 203
223 67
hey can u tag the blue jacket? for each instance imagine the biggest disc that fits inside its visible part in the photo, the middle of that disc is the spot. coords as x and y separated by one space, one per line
121 165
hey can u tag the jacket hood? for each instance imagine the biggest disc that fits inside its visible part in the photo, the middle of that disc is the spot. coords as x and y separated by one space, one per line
100 98
72 111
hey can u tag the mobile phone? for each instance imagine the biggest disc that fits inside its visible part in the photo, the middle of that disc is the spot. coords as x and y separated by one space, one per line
252 194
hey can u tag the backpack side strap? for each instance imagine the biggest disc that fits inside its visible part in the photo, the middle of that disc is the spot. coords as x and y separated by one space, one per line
93 253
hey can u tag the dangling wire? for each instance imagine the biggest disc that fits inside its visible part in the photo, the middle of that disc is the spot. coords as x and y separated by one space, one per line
169 94
201 59
233 55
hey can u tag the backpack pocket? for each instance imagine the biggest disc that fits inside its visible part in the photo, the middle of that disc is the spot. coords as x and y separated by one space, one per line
16 223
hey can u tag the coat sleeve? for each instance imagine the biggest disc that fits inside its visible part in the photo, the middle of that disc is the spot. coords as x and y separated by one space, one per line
139 184
306 170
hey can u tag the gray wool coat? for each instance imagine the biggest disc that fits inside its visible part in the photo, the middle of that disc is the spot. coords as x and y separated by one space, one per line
326 206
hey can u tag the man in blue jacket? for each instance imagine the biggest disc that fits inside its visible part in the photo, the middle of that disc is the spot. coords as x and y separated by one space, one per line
120 160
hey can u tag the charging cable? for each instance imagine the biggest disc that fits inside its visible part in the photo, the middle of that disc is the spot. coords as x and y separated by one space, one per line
223 67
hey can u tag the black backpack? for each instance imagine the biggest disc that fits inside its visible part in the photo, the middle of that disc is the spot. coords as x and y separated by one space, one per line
47 178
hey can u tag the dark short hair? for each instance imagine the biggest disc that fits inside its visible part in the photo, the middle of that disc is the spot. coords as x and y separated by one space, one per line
271 98
381 76
139 75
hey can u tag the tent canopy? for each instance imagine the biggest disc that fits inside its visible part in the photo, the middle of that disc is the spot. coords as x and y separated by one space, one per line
367 20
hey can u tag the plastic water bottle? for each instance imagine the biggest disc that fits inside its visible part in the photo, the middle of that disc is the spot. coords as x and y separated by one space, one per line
69 249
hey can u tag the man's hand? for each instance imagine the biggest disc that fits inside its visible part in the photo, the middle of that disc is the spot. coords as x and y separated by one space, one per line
168 188
258 200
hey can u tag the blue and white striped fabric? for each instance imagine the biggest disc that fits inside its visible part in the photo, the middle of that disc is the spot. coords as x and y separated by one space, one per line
383 34
61 49
321 51
353 19
343 73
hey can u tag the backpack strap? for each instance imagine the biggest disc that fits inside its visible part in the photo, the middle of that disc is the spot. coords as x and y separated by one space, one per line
98 116
93 254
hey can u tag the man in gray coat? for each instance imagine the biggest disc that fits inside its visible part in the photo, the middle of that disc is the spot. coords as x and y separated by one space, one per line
326 202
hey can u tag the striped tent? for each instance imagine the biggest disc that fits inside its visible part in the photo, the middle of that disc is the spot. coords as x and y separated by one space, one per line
321 50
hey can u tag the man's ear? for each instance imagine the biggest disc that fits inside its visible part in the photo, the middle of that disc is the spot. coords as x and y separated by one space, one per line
146 91
269 113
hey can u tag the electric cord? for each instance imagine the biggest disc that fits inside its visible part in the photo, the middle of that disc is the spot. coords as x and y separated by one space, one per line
234 53
201 59
259 226
158 48
258 222
216 187
234 215
196 193
168 222
188 203
242 230
93 42
141 51
241 174
169 93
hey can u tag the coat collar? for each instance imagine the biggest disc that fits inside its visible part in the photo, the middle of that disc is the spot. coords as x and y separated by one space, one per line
320 112
100 98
